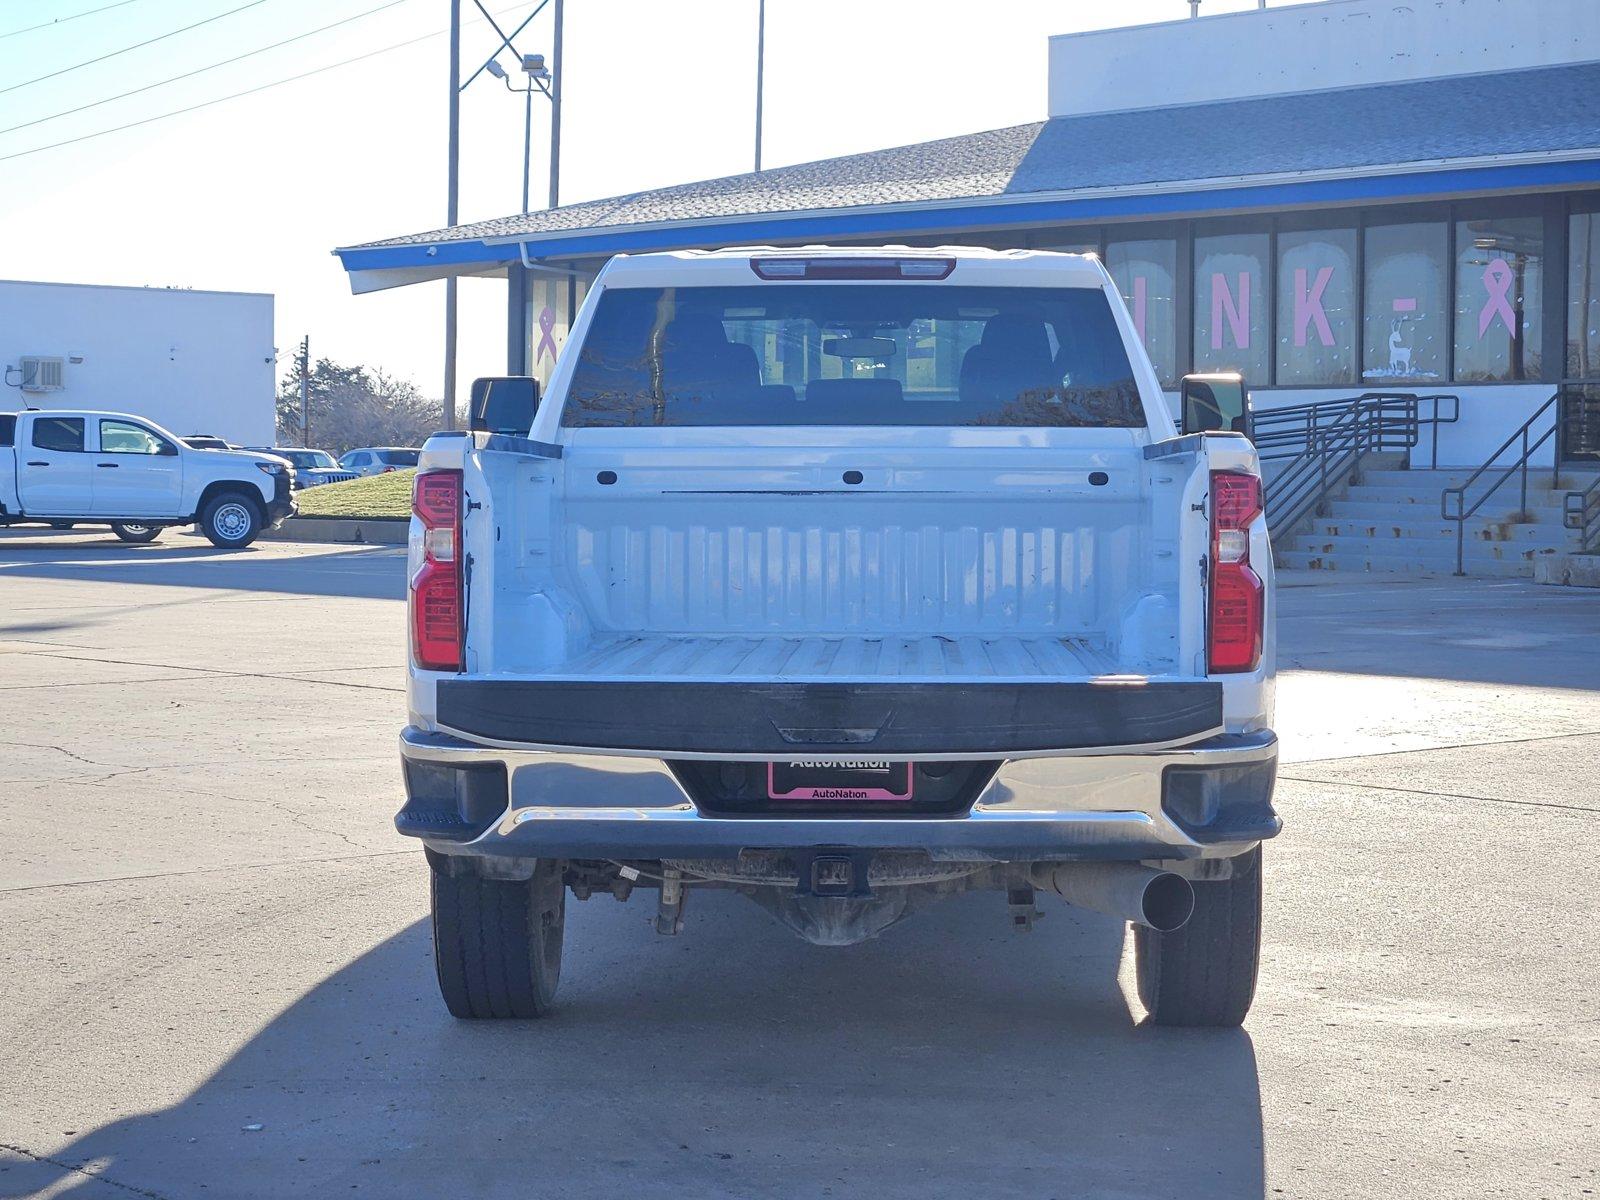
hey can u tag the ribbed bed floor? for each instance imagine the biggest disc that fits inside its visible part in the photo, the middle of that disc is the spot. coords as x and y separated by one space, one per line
929 656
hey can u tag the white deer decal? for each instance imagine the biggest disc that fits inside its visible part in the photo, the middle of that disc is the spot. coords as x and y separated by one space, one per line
1399 353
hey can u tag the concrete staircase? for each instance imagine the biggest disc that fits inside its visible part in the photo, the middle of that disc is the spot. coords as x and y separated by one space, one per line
1388 521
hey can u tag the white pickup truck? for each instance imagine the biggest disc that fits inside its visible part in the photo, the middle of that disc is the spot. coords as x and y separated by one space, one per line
849 580
99 468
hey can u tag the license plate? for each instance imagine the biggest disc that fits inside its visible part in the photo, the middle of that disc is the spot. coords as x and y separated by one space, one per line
856 779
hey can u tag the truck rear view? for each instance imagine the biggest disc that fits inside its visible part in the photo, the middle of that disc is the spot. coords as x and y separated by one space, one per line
850 580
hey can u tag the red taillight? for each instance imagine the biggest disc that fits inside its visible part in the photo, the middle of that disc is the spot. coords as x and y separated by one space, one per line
436 601
1238 600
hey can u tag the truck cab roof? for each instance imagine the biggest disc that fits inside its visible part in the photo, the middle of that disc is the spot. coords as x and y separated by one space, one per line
754 264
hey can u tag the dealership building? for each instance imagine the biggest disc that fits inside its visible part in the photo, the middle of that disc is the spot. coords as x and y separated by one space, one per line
1332 198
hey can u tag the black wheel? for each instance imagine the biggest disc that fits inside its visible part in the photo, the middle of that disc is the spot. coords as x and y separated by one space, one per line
497 943
231 520
134 532
1205 972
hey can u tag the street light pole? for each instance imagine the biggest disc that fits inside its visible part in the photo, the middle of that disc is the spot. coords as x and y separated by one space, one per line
538 78
761 67
452 212
527 139
555 111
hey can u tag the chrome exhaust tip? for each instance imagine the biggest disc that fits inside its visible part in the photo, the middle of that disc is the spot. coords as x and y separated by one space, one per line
1160 900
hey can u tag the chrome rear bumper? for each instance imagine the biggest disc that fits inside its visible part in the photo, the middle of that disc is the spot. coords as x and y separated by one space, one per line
1208 799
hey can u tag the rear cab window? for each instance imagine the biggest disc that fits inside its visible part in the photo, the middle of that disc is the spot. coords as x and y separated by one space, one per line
8 429
841 354
63 434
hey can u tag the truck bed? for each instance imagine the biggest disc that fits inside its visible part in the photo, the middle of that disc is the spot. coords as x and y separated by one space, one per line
660 657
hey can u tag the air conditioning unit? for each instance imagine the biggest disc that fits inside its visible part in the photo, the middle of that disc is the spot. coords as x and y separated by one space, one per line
43 374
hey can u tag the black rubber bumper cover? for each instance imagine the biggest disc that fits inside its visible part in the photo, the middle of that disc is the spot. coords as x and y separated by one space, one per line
831 718
282 505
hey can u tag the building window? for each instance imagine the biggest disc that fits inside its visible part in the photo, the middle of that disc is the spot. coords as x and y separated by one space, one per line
1146 274
1499 285
1407 281
1316 307
1231 304
1583 296
549 319
1065 241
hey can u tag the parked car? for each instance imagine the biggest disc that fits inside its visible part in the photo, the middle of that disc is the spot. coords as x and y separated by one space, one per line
378 460
848 580
206 441
311 467
101 468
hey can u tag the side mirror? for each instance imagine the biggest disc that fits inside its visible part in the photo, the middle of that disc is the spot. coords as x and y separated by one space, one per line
168 450
1216 403
504 404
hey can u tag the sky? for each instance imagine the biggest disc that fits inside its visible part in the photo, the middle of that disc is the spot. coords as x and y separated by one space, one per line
253 194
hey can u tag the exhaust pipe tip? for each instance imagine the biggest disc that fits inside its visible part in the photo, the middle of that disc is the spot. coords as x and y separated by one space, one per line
1162 900
1168 902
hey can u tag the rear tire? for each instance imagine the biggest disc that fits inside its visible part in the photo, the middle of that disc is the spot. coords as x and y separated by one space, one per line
497 943
230 520
138 534
1205 972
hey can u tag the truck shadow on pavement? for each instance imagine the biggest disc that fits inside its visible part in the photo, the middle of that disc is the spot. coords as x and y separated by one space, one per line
365 572
950 1057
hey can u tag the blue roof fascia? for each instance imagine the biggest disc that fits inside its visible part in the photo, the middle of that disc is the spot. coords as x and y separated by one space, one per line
424 254
991 214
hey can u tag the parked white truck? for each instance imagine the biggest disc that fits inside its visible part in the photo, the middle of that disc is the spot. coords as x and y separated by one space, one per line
99 468
850 580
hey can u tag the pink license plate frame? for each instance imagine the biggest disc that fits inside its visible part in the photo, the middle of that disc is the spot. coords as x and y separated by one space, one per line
852 783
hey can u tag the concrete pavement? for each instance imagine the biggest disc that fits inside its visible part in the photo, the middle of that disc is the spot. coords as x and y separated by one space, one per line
215 976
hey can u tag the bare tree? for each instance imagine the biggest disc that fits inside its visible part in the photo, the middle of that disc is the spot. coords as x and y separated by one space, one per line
355 406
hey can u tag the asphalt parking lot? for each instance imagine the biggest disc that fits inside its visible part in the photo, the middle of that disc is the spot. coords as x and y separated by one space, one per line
215 976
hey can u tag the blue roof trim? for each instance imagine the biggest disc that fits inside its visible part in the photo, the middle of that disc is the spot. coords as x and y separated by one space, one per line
917 219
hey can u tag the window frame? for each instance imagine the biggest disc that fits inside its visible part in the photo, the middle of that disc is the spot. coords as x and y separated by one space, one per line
83 434
100 434
1492 208
1578 204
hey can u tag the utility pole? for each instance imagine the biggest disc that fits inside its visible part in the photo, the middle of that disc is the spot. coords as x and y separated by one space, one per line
452 210
557 73
761 67
305 391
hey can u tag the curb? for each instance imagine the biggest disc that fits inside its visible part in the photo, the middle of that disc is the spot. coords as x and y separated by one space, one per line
1568 570
338 529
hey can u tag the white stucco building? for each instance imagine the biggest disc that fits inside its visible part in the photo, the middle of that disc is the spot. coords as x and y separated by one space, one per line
192 361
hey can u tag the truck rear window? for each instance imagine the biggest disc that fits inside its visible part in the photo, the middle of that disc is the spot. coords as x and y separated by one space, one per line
853 354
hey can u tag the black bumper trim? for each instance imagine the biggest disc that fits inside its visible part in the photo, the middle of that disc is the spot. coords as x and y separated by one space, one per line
786 719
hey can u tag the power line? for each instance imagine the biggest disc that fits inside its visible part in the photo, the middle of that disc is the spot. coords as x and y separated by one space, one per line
64 20
178 112
136 46
202 70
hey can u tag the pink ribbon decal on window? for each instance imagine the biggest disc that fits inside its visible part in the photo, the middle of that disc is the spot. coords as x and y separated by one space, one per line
547 341
1497 280
1238 316
1308 306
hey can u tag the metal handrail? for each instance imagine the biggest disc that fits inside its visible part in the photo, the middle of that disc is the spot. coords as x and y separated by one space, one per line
1332 453
1463 513
1288 431
1581 511
1333 439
